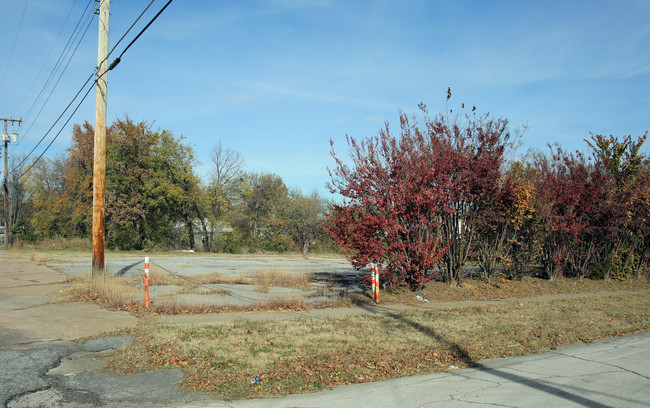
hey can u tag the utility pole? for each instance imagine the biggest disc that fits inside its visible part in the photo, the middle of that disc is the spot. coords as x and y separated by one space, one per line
99 163
6 138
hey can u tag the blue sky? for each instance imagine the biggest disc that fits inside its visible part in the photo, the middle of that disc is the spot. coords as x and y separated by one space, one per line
277 79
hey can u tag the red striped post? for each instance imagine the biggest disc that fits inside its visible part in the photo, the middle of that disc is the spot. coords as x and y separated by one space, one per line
146 281
377 283
374 281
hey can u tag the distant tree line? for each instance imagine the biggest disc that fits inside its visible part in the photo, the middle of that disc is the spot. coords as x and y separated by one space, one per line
155 200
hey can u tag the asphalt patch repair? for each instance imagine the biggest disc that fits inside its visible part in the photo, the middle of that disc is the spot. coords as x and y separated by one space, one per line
69 374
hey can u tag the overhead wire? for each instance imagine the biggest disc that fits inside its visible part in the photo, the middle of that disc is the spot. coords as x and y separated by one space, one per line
128 30
13 47
57 119
201 284
62 56
118 59
81 89
29 91
59 132
54 87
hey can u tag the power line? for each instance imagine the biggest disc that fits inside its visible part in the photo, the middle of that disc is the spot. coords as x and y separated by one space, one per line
59 132
57 82
112 66
129 29
118 59
11 54
47 58
62 56
56 121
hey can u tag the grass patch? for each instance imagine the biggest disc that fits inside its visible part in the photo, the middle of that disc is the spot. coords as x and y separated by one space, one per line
107 290
39 259
264 279
173 307
158 277
306 355
216 278
474 289
53 244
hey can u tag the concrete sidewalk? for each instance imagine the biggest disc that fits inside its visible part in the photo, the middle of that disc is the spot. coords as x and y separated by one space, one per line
612 372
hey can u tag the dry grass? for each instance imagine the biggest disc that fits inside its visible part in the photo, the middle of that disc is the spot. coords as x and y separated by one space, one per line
216 278
159 277
39 258
506 289
264 279
54 244
119 293
305 355
173 307
107 290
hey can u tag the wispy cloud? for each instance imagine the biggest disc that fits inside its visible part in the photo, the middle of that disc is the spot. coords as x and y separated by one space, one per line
340 121
239 99
323 96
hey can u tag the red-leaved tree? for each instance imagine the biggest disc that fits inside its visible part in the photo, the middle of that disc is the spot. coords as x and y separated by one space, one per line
411 202
582 218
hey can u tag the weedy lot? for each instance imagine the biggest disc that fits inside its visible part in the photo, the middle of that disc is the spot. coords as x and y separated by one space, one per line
304 355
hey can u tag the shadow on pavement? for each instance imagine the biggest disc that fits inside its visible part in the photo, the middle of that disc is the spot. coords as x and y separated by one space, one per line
463 356
127 268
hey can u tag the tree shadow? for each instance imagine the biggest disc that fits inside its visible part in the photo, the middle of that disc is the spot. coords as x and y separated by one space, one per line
461 354
127 268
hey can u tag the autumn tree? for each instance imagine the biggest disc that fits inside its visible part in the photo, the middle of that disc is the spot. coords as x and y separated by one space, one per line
16 199
263 197
128 170
582 219
412 202
524 225
174 181
150 185
303 218
627 243
78 177
50 206
495 229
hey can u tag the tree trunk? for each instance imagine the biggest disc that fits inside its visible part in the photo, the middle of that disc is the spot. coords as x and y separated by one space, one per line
190 232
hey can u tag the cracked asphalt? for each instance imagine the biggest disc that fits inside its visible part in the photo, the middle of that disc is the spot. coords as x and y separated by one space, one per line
68 374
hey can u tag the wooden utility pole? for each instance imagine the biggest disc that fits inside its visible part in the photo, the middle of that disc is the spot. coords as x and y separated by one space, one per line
99 164
6 138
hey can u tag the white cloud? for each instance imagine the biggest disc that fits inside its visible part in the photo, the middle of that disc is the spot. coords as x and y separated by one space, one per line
323 96
239 99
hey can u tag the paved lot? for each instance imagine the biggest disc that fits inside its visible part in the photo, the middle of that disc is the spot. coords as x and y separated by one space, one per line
335 276
193 264
30 310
